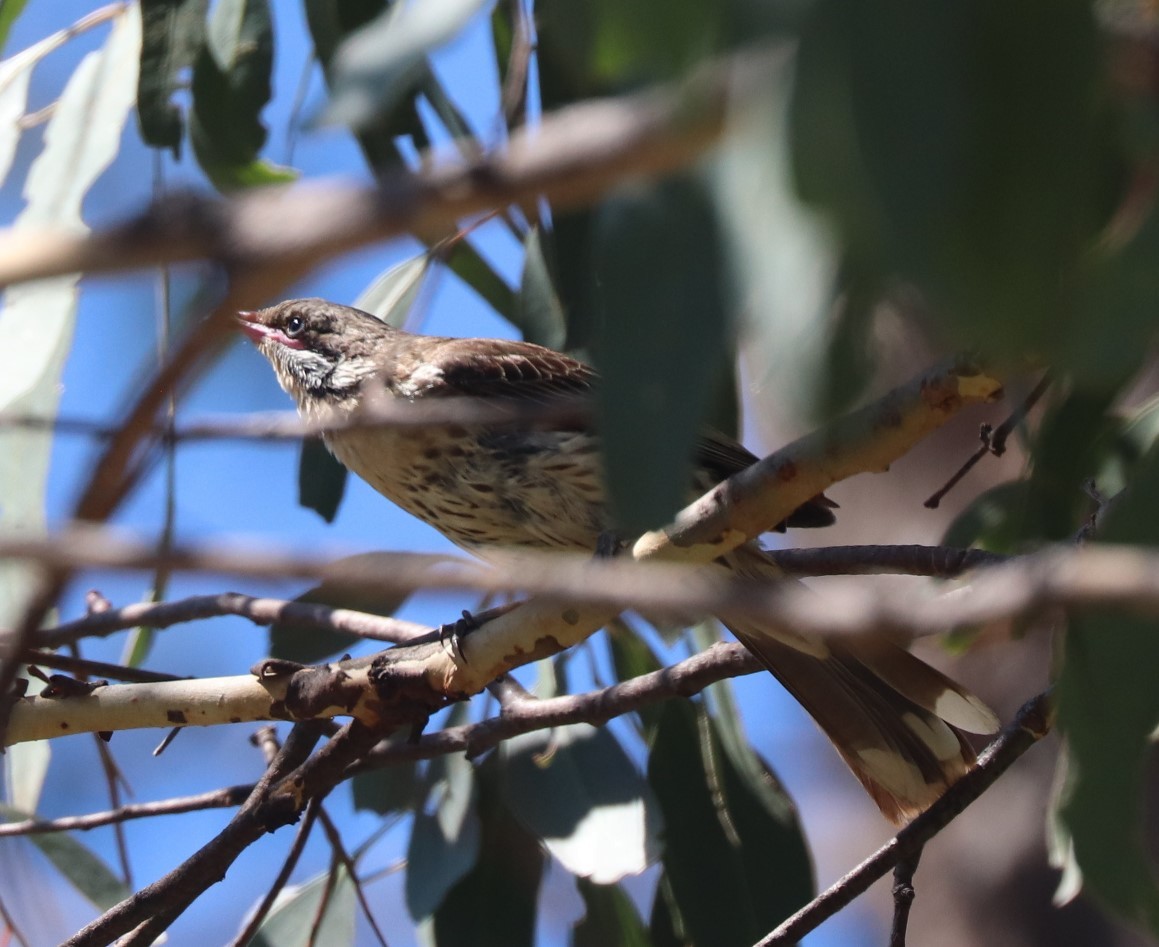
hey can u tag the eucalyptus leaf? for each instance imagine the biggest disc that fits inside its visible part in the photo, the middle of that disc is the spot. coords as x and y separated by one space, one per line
321 479
494 904
610 919
76 862
392 294
172 33
294 921
9 11
295 641
575 788
665 312
231 86
736 865
445 837
36 323
539 312
1108 708
372 66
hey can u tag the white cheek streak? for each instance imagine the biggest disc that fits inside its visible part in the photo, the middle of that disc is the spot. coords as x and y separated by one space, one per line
350 372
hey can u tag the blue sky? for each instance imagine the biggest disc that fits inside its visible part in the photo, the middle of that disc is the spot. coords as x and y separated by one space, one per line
232 490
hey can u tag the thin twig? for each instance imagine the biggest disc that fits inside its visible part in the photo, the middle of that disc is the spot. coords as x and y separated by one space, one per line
291 862
225 798
993 440
1030 725
903 897
335 838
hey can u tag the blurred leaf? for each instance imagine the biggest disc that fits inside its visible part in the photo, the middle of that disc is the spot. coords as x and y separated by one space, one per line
231 86
494 905
602 44
1071 444
321 479
610 918
307 644
1109 337
993 520
1108 708
392 294
386 789
660 270
735 858
172 33
539 314
572 260
465 262
9 11
292 921
446 835
87 873
575 788
80 141
781 255
964 149
372 66
330 22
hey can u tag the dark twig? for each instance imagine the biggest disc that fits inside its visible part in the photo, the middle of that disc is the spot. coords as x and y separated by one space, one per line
1029 726
335 839
944 562
118 672
287 869
903 897
993 440
149 912
217 799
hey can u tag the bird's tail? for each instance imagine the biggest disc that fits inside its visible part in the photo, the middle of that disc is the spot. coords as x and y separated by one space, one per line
897 722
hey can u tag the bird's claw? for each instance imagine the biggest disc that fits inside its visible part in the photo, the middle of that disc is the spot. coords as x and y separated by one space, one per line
452 634
608 545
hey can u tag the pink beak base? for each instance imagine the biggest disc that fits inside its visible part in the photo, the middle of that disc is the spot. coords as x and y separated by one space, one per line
258 331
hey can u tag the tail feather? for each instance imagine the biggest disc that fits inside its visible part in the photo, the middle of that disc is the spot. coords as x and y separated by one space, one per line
896 721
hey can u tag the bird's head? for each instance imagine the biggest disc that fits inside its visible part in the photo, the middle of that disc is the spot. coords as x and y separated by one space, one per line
321 351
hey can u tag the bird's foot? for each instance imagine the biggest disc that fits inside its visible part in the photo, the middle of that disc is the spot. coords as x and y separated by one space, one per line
452 634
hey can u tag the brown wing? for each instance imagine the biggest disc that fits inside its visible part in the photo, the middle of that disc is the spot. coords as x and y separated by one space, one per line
497 368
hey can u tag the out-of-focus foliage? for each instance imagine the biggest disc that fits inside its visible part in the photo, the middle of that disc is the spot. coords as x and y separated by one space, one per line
993 162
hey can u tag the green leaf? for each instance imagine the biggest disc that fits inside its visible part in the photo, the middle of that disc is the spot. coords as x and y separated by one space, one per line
393 293
321 479
387 788
1108 708
466 263
575 788
610 919
172 33
36 322
734 857
953 145
292 921
445 837
231 86
665 314
373 66
87 873
993 520
307 644
494 904
9 11
539 314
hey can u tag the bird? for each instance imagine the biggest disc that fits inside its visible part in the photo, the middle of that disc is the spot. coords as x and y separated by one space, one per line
898 723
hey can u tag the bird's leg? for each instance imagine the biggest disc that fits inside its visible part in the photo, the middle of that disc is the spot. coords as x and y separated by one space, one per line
454 632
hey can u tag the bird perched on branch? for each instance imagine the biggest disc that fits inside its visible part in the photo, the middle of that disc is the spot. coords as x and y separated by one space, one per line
896 721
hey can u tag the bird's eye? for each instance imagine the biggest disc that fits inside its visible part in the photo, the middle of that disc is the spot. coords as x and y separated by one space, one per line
294 326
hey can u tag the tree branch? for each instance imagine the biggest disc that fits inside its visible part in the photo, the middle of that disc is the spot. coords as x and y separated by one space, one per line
1030 725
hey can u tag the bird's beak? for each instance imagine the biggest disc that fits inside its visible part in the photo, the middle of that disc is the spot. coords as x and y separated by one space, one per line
252 326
